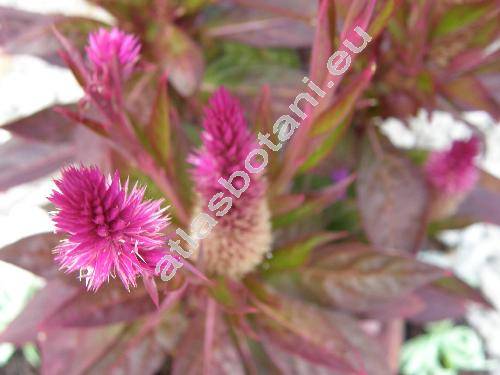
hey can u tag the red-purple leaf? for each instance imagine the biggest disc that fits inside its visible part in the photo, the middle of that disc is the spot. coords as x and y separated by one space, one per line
481 205
34 253
72 351
447 298
458 92
392 198
310 333
261 29
27 326
225 358
182 59
141 347
111 304
45 126
324 38
23 161
355 277
30 33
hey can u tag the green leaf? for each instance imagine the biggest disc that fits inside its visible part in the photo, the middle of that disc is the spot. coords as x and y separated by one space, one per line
460 16
159 129
294 255
313 204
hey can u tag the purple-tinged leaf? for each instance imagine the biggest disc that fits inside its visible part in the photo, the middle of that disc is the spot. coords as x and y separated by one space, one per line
116 349
285 203
182 59
324 38
72 351
482 204
392 198
23 161
152 289
261 29
382 17
294 9
34 253
30 33
225 358
142 351
314 203
355 277
72 117
310 333
458 91
112 304
44 126
27 326
447 298
359 14
332 124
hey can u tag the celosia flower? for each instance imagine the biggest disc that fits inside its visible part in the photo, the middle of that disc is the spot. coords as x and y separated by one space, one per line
226 143
105 46
453 171
239 241
110 231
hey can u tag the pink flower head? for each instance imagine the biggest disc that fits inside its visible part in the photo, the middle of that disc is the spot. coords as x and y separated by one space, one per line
105 46
453 171
226 143
110 231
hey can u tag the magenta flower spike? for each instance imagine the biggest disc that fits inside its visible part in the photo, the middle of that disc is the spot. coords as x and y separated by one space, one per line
226 143
104 46
242 236
453 171
110 231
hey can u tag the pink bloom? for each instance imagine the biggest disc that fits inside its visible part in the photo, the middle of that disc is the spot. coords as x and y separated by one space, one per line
105 46
110 231
226 143
242 237
453 171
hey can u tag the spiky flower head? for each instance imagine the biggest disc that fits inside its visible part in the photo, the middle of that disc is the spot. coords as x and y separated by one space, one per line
453 171
110 231
105 47
226 143
242 237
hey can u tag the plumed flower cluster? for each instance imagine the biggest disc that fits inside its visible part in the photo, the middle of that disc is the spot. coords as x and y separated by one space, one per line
110 231
226 143
453 171
105 47
242 236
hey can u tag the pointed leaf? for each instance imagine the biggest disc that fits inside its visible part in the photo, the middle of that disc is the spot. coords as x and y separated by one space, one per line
355 277
159 128
225 358
291 256
23 161
308 332
392 198
457 92
27 326
34 253
182 59
313 204
45 126
111 304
